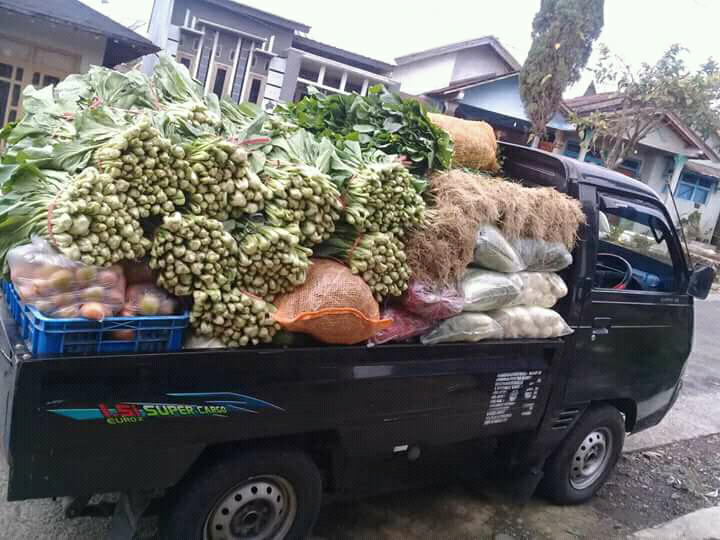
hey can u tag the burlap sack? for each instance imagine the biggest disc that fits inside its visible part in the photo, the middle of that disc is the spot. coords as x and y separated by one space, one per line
475 146
333 306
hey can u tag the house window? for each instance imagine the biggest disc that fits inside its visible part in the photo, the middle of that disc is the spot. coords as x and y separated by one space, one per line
219 82
218 51
254 94
185 62
232 55
572 149
252 64
695 188
196 44
630 167
50 79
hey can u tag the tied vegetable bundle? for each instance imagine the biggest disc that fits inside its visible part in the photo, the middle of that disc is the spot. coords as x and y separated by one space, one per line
379 258
90 221
271 259
193 252
305 197
235 317
222 185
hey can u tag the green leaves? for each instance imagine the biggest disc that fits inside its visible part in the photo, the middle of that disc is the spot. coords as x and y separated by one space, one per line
381 120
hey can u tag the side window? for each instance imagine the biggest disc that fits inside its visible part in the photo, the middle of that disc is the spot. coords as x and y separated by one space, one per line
634 252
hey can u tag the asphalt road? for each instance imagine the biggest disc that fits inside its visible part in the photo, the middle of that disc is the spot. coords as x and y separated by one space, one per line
696 413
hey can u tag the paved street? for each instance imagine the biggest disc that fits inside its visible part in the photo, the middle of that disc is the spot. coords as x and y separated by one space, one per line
628 503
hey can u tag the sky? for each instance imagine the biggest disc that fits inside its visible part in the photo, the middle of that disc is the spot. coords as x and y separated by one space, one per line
637 30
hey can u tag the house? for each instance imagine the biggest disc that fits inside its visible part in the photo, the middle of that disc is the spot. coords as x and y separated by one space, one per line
671 159
42 42
247 54
476 79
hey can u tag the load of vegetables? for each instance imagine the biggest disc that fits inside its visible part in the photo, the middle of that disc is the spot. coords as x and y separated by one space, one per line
225 202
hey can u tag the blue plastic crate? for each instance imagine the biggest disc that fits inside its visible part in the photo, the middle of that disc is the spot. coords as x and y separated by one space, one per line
18 311
50 336
46 336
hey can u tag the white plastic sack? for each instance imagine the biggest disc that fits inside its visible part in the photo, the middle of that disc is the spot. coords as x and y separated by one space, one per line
493 252
542 289
530 322
542 256
484 290
463 327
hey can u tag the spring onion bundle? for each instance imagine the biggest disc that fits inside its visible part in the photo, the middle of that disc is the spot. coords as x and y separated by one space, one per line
234 317
90 222
304 196
271 259
192 253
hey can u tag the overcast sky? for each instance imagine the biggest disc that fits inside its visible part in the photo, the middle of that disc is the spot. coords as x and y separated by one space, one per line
638 30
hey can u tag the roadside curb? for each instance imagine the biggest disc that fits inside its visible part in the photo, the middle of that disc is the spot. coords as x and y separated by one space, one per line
699 525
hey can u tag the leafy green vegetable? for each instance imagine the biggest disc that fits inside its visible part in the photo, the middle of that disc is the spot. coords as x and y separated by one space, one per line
382 120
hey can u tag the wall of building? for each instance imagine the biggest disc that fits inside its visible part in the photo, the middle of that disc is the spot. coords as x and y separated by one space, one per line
709 213
478 61
425 75
226 17
89 48
667 139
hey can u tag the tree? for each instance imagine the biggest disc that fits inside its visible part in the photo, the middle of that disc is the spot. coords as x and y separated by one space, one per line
644 99
563 32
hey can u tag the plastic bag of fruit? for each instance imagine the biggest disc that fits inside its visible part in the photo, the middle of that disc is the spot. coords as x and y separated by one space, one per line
59 287
148 300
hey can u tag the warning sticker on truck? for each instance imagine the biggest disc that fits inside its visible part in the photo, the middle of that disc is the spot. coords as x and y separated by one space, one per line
514 394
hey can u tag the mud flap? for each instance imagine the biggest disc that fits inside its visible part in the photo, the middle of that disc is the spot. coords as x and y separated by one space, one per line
128 511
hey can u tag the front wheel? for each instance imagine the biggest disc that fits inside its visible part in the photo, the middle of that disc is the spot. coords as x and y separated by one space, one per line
586 457
266 495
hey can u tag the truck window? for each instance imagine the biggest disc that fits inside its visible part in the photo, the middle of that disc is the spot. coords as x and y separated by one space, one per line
634 253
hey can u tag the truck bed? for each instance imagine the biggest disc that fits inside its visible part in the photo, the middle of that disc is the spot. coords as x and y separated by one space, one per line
92 424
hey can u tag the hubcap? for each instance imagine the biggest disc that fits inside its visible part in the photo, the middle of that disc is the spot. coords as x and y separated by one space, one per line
591 458
261 508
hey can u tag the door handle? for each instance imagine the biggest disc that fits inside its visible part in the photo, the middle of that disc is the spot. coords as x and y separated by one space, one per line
601 327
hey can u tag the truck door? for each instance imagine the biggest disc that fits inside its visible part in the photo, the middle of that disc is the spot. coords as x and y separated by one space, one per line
634 334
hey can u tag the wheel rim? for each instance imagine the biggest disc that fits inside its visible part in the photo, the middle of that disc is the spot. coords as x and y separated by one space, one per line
591 458
261 508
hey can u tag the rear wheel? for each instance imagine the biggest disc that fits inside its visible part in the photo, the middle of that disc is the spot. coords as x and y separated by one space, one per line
267 495
586 457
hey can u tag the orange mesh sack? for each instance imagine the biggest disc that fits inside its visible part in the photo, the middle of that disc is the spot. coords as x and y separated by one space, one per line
333 306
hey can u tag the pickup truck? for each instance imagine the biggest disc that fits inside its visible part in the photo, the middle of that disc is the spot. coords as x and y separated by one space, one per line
246 443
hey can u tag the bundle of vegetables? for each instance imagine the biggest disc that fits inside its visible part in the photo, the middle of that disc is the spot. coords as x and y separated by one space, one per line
271 259
383 197
222 184
235 317
90 221
152 167
379 258
304 196
192 253
381 120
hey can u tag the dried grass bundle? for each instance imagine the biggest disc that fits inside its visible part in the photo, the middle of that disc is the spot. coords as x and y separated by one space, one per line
461 202
475 146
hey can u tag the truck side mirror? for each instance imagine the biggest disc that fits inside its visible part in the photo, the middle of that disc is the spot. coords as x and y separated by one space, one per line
701 280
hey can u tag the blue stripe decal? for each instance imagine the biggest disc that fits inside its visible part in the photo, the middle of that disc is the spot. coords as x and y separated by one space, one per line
79 414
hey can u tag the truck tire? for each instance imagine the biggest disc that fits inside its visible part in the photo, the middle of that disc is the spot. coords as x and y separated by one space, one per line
585 458
273 495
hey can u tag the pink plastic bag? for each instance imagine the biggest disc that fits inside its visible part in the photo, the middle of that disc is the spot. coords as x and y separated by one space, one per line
404 326
432 303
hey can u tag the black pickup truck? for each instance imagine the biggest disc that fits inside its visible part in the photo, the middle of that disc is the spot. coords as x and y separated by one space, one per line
245 443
